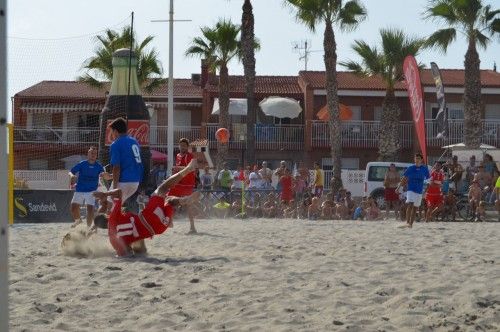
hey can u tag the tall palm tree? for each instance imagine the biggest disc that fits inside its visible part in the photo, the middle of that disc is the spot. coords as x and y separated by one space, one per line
99 67
477 23
219 45
347 15
248 59
388 64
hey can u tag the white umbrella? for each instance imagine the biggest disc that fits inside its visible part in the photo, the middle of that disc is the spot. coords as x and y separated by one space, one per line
281 107
237 106
462 146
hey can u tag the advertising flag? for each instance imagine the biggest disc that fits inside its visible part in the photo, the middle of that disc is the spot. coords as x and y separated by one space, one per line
414 87
442 115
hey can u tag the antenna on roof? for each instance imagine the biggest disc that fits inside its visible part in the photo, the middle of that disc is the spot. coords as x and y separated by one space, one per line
494 66
304 50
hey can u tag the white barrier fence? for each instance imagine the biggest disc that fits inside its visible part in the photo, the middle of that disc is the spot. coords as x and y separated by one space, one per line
59 179
43 179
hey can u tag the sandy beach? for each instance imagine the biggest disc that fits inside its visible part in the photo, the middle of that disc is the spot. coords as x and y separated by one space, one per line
263 275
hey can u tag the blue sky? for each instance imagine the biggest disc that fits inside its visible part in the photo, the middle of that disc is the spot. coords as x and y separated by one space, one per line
47 52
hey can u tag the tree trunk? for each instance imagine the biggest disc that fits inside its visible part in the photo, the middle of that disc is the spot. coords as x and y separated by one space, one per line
332 101
247 44
389 144
222 148
472 98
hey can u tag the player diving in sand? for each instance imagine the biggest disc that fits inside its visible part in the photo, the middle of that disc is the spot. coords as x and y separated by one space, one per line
127 231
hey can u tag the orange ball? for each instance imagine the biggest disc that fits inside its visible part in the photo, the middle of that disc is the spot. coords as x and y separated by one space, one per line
222 135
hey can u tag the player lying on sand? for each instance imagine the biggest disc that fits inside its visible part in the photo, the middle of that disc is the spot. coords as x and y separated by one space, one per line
127 231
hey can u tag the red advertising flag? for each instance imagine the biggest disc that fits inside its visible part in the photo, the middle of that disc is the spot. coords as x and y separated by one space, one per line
138 129
412 79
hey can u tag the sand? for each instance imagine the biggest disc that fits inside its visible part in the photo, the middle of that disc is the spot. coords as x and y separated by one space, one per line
263 275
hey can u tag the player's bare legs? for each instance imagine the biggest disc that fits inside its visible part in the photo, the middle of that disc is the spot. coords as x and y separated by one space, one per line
75 213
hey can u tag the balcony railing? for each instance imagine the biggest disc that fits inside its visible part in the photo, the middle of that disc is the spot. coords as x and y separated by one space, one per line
355 134
362 134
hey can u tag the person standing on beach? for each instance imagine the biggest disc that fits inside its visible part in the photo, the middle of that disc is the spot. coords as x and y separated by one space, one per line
186 185
125 159
391 181
86 174
319 180
414 177
434 194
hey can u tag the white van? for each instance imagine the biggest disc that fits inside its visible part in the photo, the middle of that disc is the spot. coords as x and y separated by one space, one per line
374 179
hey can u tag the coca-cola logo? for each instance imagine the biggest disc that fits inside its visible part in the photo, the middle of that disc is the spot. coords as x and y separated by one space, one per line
138 129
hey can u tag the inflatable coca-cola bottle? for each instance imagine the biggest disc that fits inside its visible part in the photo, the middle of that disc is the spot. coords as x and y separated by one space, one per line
131 108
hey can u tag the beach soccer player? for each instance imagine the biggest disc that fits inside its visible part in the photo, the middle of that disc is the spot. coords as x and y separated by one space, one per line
127 167
414 177
86 174
186 186
127 231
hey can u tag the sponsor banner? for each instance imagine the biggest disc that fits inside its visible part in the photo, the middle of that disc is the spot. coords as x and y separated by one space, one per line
138 129
36 206
412 79
442 115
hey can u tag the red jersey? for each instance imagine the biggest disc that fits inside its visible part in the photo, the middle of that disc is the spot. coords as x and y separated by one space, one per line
126 228
286 188
433 194
185 186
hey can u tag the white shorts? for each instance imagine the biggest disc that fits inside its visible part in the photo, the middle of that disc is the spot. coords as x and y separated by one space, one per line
83 197
413 197
128 189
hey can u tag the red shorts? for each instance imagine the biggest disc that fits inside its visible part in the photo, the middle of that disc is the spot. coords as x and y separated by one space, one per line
433 200
180 190
390 195
286 196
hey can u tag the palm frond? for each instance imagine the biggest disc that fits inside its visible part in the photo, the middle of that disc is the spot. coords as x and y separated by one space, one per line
481 39
441 39
351 15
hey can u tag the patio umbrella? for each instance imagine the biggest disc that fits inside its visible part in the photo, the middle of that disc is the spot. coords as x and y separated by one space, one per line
462 146
237 106
345 113
280 107
158 156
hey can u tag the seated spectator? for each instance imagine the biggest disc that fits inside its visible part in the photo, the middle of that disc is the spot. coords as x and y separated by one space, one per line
450 206
328 208
349 203
289 209
314 210
222 208
253 208
269 207
373 211
360 211
303 207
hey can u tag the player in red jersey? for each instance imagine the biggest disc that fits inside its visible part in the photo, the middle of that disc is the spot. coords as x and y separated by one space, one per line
433 195
127 231
186 186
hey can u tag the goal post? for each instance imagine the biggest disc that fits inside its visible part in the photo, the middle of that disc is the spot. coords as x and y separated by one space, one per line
4 174
10 171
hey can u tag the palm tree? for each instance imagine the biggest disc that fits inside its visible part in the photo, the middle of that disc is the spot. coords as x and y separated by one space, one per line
477 23
347 15
99 67
388 64
248 59
219 45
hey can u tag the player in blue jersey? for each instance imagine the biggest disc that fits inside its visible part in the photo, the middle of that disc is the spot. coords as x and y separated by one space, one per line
125 159
414 176
86 175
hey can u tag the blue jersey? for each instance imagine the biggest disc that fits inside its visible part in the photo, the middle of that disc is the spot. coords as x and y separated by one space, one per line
88 175
416 177
126 154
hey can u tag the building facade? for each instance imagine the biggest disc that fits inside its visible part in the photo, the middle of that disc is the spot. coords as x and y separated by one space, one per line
56 121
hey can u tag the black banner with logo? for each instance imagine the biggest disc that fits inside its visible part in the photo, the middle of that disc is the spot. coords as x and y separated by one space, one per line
36 206
442 114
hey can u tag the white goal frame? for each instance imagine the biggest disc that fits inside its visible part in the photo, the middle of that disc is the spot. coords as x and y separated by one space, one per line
4 175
